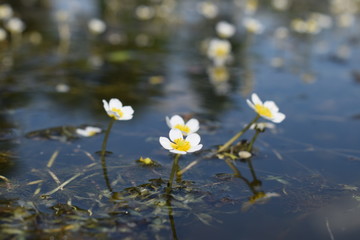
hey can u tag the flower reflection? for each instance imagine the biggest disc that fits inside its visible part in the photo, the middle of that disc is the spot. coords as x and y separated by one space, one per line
219 51
88 131
219 77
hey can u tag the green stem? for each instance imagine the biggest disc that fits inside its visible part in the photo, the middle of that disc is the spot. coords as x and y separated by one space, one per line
174 168
171 219
239 134
103 153
253 140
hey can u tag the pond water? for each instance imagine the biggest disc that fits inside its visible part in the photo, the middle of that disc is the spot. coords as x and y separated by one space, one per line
301 181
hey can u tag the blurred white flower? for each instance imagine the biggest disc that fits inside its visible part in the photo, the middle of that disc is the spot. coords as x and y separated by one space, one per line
15 25
253 25
207 9
219 51
145 12
96 26
116 110
6 11
225 29
177 143
178 122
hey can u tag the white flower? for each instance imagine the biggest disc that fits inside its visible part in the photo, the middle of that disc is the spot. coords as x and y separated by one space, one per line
253 25
116 110
15 25
88 131
97 26
267 110
219 51
207 9
6 11
225 29
177 143
178 122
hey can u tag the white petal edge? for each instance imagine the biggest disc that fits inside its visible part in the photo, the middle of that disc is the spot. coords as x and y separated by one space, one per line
272 106
193 124
195 148
127 110
165 143
176 119
175 134
255 99
106 105
250 104
194 139
115 103
177 151
278 118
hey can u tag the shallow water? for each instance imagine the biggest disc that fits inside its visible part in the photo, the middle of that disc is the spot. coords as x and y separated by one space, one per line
53 182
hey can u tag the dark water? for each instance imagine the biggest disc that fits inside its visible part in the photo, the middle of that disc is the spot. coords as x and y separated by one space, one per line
309 163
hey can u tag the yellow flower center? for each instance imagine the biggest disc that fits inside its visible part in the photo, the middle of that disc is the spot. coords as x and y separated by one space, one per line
221 51
185 129
91 133
118 111
181 145
263 111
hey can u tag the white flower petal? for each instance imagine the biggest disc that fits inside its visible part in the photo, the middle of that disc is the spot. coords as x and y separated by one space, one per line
115 103
106 105
167 119
175 120
126 117
175 134
177 151
250 104
195 148
278 118
255 99
193 139
127 110
193 124
272 106
165 142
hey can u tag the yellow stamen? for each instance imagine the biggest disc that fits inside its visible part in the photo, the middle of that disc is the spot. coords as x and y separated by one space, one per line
221 51
183 128
118 111
263 111
181 145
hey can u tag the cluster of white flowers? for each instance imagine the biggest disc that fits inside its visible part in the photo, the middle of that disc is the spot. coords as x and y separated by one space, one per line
178 130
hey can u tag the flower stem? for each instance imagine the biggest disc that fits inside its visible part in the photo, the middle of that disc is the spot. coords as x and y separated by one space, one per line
239 134
174 168
253 140
103 151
